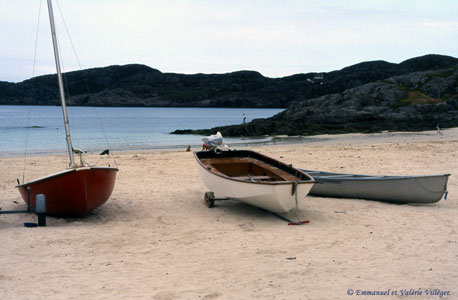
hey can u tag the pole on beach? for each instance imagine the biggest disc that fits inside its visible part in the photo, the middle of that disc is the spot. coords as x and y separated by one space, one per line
40 209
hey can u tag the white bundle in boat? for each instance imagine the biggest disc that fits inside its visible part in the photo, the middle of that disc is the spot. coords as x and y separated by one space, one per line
214 140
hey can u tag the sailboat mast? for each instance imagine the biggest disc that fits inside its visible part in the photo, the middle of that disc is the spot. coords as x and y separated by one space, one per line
61 85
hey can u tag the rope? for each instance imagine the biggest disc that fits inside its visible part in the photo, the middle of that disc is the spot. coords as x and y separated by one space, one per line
294 192
68 34
85 82
105 135
26 143
33 74
36 41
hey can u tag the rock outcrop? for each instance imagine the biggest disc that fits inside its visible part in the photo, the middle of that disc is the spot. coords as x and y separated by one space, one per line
417 101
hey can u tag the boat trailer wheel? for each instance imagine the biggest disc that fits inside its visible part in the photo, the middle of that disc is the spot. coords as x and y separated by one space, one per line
209 199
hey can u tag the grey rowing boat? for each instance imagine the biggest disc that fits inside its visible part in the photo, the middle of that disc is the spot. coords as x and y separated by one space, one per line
397 189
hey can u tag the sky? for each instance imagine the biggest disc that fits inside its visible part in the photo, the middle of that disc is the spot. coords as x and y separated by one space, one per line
276 38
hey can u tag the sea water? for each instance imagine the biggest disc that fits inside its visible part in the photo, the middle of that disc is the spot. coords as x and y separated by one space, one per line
40 129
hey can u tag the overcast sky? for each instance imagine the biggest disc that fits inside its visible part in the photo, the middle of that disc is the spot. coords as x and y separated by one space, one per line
275 38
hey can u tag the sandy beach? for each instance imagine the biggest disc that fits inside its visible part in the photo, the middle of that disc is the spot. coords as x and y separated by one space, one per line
155 239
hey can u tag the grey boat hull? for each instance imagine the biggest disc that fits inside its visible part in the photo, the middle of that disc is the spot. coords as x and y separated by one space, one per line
397 189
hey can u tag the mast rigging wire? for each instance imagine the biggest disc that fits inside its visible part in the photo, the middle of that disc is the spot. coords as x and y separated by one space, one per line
65 82
84 79
33 74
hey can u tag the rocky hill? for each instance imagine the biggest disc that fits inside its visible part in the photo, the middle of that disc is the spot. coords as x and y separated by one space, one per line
412 102
139 85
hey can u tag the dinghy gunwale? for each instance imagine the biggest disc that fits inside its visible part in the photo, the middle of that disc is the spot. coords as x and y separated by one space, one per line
302 177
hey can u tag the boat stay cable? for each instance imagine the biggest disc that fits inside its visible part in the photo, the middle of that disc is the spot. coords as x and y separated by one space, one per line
84 80
61 86
68 34
33 74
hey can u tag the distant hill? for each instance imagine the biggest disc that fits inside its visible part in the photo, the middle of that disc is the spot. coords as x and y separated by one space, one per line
411 102
139 85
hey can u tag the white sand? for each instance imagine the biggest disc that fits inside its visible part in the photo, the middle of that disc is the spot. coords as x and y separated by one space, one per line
154 239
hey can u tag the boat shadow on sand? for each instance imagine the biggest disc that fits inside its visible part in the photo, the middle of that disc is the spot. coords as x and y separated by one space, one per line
239 211
109 213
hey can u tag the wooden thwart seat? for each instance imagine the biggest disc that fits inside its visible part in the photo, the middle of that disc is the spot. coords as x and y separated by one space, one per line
254 178
232 167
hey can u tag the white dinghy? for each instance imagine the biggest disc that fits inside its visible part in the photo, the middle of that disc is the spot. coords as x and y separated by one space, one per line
252 178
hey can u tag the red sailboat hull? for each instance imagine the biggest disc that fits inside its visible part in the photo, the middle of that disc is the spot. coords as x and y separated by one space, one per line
73 192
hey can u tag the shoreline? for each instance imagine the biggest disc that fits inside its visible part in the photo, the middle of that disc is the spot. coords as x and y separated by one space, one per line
447 134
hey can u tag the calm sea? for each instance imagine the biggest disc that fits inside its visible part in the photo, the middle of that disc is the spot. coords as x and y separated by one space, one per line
39 129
